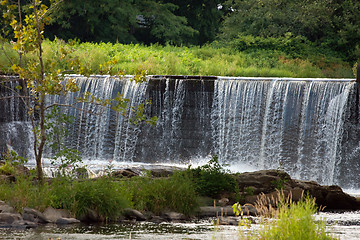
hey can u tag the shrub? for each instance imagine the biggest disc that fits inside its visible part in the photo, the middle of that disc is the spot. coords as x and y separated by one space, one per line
101 195
295 221
25 193
212 180
176 193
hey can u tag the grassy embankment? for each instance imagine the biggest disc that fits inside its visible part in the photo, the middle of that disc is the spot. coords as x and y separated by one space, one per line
108 196
265 58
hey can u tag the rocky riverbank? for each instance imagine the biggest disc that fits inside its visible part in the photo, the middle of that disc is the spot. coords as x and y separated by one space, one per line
251 187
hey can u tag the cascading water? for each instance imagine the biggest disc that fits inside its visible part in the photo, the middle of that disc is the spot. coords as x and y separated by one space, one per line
107 135
292 125
310 128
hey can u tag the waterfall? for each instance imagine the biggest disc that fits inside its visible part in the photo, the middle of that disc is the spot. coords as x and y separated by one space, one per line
292 125
107 135
307 127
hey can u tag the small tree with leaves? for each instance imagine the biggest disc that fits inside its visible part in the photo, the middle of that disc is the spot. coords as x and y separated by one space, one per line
42 78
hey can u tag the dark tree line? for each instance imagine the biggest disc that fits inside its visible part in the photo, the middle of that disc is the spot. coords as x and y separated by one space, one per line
329 24
144 21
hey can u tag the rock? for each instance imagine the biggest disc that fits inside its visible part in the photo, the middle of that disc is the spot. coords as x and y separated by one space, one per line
264 181
4 208
66 221
34 215
54 214
234 220
133 214
210 211
228 221
91 216
23 224
223 202
125 173
174 216
9 218
157 219
268 181
161 172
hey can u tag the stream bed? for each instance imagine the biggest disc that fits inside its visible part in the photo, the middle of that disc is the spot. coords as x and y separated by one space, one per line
344 225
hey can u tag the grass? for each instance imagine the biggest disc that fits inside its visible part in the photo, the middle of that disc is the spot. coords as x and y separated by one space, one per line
176 193
284 219
107 196
171 60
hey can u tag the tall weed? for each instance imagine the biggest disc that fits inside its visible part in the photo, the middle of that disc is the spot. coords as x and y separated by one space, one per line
176 193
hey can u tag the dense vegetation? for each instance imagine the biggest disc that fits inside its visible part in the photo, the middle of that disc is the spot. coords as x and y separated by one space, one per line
109 195
270 57
248 37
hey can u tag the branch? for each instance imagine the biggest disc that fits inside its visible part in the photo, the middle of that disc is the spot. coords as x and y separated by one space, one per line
72 106
50 9
17 96
8 97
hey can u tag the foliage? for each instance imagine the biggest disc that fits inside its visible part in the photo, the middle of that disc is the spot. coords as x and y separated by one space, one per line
329 24
295 221
25 193
56 129
212 180
203 16
120 21
206 60
176 193
7 168
44 77
12 161
101 195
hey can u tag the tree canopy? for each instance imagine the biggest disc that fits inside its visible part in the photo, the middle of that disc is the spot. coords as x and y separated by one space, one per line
328 24
333 24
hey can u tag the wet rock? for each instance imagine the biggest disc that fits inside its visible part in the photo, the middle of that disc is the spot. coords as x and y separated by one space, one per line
4 208
64 221
228 221
174 216
54 214
210 211
9 218
91 216
234 220
157 219
23 224
34 215
133 214
125 173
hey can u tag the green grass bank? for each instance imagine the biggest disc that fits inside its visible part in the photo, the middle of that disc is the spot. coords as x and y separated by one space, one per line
244 57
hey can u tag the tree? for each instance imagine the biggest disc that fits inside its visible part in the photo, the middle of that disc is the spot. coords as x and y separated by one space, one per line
40 76
330 24
124 21
205 16
157 23
102 20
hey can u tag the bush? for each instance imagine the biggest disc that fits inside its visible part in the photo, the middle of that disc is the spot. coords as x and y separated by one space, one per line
101 195
25 193
176 193
295 221
212 180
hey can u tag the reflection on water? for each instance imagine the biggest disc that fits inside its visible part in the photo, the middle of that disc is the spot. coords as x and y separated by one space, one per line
345 225
145 230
